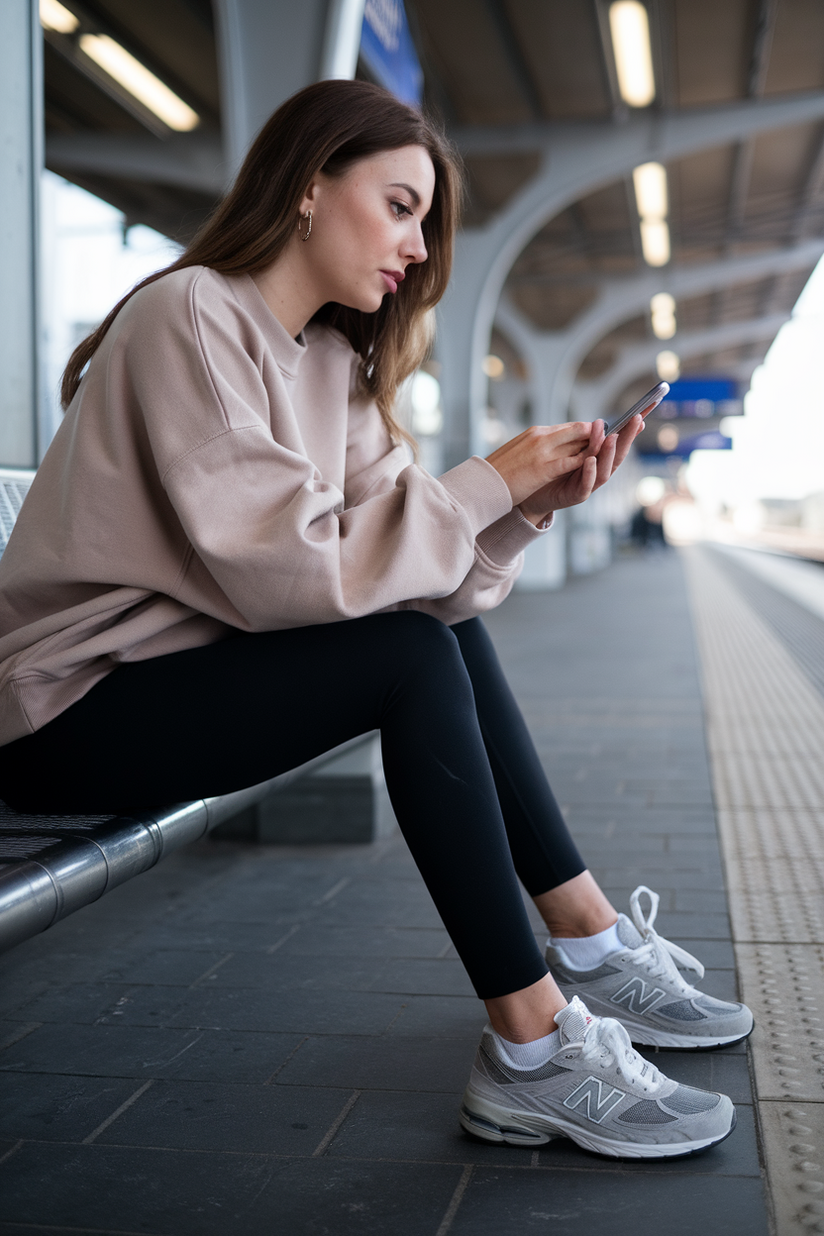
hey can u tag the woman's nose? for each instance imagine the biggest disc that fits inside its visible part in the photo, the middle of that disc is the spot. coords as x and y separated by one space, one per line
416 251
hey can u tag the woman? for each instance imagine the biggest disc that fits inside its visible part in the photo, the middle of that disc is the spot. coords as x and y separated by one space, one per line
227 526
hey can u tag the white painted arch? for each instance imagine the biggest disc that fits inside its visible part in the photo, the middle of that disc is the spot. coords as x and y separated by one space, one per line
575 159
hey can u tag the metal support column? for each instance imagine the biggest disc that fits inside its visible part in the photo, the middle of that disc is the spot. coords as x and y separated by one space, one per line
21 162
268 49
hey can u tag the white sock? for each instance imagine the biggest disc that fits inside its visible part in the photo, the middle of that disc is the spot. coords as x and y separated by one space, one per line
529 1055
587 952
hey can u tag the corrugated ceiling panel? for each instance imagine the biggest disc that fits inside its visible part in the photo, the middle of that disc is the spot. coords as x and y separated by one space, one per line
560 43
699 188
464 46
797 55
713 43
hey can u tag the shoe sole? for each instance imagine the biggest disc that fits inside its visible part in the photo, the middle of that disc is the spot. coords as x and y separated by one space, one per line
680 1042
491 1123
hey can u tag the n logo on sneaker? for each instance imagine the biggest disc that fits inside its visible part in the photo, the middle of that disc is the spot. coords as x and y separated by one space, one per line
598 1103
634 995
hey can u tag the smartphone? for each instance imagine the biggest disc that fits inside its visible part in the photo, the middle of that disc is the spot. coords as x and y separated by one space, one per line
644 405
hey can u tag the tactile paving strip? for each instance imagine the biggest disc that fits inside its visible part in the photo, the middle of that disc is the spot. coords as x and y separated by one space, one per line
800 631
794 1134
765 731
782 985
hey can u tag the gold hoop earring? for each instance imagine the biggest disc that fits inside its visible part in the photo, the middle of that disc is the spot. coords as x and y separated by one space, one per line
308 216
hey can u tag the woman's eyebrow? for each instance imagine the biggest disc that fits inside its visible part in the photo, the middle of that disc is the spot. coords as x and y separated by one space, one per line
413 193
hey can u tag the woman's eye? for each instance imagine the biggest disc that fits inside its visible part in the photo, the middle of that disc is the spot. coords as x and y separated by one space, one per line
400 208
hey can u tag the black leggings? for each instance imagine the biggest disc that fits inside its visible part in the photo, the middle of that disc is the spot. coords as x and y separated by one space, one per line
465 781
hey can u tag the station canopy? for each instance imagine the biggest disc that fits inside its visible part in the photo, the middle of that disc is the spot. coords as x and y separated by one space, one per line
505 64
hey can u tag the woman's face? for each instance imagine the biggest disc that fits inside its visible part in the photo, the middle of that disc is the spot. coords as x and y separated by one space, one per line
366 227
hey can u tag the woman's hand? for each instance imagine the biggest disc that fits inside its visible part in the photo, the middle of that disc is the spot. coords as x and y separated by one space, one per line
541 457
593 468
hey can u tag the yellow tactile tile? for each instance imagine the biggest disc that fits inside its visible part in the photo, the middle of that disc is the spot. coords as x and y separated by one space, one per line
765 732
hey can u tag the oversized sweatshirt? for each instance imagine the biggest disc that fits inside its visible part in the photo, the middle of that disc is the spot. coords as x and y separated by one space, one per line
214 475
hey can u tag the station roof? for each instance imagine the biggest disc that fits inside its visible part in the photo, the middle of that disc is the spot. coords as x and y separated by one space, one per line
492 64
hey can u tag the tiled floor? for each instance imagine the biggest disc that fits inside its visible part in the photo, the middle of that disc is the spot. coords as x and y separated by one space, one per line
262 1040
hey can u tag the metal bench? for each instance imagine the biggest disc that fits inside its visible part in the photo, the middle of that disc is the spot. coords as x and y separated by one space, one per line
51 866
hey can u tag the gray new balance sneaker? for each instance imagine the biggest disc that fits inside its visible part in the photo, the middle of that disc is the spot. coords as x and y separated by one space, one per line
642 986
595 1090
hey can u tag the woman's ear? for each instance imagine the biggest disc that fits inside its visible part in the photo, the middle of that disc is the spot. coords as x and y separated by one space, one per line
309 200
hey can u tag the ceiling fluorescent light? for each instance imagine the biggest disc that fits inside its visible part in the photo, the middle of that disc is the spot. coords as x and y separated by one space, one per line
668 365
54 16
629 27
662 307
651 196
136 78
655 241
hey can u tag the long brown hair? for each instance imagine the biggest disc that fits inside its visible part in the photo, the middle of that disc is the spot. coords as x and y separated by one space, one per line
326 127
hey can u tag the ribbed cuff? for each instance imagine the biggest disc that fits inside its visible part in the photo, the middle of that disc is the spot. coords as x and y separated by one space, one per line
481 490
507 537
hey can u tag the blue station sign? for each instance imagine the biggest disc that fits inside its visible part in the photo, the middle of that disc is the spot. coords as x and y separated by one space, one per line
702 398
711 440
388 52
688 390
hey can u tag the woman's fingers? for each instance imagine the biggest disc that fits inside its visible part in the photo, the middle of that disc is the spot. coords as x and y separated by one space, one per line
625 440
570 431
576 475
588 478
614 449
606 460
596 437
539 455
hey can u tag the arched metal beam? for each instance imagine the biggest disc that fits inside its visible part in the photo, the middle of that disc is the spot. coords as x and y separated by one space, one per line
189 160
576 159
558 354
593 399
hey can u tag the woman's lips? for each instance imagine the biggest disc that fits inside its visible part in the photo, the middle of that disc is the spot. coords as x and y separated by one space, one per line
393 278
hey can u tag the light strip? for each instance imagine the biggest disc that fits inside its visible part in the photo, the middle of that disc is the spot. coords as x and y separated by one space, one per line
54 16
668 365
137 79
652 200
655 241
629 27
651 195
662 308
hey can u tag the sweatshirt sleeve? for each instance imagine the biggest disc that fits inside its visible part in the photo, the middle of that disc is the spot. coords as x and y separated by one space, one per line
372 468
498 562
265 527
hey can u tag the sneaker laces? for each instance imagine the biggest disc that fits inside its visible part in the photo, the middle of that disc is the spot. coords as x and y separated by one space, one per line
662 957
604 1042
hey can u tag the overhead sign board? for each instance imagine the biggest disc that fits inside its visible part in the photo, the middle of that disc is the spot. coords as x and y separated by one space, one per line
701 397
690 389
712 440
388 52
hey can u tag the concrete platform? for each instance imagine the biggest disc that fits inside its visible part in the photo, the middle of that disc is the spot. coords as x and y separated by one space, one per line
268 1039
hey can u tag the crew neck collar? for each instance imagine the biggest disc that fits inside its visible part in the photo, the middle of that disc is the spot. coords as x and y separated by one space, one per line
288 352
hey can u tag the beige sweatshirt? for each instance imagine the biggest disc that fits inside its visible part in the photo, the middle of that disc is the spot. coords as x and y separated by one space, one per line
214 475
